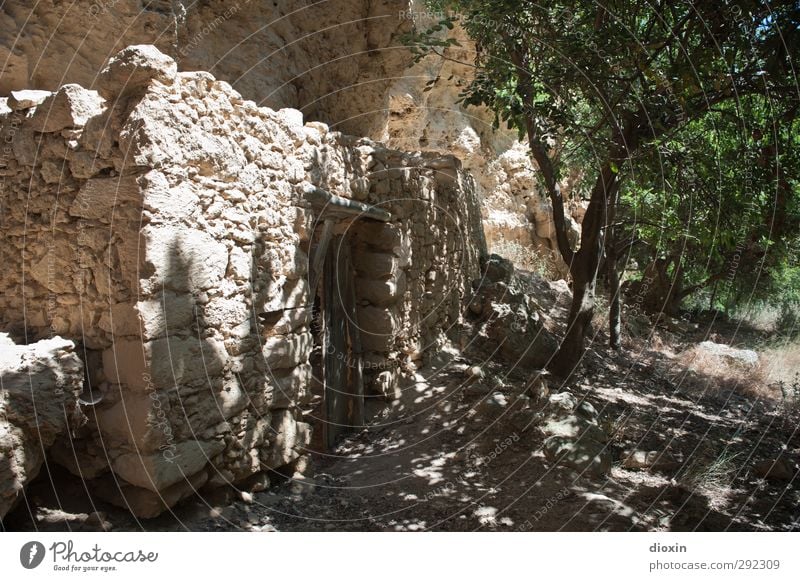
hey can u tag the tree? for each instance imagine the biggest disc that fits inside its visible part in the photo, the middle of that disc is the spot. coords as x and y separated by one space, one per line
602 85
719 207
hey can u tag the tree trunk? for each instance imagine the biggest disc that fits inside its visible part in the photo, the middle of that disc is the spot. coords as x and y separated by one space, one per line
583 269
614 307
570 353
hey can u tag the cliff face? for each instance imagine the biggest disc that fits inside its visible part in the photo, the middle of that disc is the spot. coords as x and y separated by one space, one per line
332 60
425 113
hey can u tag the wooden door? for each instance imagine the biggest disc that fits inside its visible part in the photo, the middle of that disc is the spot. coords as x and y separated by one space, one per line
344 383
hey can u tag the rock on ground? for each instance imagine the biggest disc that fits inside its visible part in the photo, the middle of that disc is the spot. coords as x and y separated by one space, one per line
40 385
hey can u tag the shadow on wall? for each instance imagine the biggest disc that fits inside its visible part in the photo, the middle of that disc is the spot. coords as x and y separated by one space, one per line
199 408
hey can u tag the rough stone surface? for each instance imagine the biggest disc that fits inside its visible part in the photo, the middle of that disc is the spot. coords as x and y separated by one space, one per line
572 439
39 388
334 67
738 358
649 460
180 259
344 66
510 322
588 457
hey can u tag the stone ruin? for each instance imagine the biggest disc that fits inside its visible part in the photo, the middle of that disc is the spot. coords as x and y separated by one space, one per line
196 272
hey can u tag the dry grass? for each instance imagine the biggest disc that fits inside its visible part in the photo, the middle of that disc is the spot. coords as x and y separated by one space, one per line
713 373
782 367
711 475
527 258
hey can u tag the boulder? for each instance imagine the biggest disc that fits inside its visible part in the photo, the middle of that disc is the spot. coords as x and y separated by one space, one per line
71 107
587 456
649 460
497 269
142 502
157 472
41 383
741 358
132 69
19 100
511 323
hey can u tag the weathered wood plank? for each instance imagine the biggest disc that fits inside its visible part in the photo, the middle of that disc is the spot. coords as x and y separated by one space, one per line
320 253
336 376
356 416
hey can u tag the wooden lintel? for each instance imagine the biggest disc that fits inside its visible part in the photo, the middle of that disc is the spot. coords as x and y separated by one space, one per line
329 205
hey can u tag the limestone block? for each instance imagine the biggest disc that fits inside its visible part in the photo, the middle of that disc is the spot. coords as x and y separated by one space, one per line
132 69
229 401
70 106
382 293
288 438
85 164
295 294
126 363
25 146
53 269
283 352
25 99
167 203
41 383
375 265
144 503
380 235
167 312
161 470
136 418
290 388
225 314
185 260
285 321
178 361
240 264
378 327
100 197
121 320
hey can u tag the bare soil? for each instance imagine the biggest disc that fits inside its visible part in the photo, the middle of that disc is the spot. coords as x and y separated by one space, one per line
447 457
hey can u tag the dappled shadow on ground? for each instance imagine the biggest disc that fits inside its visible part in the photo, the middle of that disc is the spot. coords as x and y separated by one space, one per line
447 457
453 454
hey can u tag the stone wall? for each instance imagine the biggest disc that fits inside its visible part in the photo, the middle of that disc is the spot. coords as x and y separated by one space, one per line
161 223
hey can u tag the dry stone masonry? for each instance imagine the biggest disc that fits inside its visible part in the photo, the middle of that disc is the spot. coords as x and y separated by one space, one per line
160 221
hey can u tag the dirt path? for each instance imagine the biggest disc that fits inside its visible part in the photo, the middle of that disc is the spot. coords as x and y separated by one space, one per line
452 455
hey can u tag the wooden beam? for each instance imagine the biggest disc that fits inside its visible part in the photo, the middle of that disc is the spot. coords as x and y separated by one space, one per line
328 205
319 255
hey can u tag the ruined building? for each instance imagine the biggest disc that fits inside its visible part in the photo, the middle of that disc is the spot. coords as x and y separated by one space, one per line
196 248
